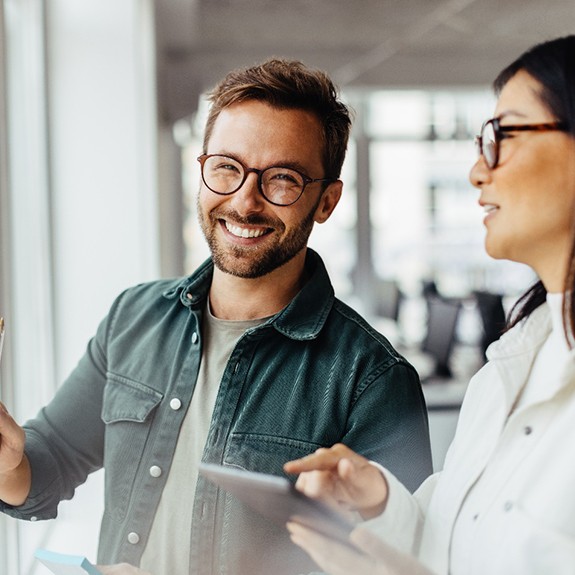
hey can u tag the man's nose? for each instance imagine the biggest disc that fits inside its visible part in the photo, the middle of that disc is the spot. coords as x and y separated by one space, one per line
249 197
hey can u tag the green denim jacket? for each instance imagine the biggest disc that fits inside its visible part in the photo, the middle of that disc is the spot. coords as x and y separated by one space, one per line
313 375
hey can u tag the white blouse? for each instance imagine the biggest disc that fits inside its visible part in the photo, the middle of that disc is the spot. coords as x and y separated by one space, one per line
544 378
504 502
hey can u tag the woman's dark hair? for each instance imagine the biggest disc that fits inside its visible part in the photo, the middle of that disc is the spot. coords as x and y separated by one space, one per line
552 64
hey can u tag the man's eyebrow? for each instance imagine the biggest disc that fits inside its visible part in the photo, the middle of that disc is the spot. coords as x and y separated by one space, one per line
226 154
290 164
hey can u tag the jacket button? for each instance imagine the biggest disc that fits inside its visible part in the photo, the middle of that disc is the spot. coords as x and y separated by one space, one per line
175 404
155 471
194 337
133 538
33 518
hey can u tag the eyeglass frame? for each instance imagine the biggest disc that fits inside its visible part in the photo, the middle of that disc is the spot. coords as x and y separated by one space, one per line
306 179
500 134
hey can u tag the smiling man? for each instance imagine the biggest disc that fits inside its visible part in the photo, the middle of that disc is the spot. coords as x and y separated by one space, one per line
257 221
249 362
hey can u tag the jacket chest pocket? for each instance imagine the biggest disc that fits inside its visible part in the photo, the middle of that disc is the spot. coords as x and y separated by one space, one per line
264 453
127 411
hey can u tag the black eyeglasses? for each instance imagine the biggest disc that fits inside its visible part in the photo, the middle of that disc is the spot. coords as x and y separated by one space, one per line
492 132
279 185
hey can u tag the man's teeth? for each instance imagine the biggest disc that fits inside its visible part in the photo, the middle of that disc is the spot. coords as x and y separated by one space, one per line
488 208
244 232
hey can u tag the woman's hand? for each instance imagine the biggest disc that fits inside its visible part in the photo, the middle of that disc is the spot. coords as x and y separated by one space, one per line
339 476
369 555
121 569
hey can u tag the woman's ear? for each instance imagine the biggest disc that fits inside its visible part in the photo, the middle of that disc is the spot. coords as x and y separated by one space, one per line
329 199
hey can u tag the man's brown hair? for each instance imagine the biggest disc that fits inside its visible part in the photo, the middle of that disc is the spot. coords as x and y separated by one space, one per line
288 84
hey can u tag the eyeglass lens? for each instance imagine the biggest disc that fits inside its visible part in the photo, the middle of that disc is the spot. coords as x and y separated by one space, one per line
489 144
281 186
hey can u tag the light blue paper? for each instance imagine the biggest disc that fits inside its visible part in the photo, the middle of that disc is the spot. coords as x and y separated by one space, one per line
63 564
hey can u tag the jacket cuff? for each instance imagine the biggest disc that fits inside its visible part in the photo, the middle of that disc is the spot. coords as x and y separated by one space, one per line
35 508
401 521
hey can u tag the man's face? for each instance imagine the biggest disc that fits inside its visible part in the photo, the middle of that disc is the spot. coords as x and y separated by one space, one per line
249 237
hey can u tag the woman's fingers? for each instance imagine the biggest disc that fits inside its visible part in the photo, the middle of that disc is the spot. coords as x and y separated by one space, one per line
385 556
341 476
368 555
323 459
333 557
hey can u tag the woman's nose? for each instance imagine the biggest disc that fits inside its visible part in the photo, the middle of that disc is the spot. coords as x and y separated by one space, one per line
479 173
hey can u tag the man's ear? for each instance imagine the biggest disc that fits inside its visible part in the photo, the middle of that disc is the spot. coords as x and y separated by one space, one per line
329 199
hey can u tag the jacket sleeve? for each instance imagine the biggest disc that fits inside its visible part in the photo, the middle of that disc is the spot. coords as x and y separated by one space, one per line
388 423
401 524
65 441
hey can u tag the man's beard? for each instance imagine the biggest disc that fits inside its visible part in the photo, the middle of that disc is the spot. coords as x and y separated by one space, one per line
257 261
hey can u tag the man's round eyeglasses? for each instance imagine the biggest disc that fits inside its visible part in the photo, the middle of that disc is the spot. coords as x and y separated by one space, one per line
492 132
279 185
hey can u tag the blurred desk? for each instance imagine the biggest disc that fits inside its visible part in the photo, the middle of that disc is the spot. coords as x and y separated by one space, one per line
444 394
443 398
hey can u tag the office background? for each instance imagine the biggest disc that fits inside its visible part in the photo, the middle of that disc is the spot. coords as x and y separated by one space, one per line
100 122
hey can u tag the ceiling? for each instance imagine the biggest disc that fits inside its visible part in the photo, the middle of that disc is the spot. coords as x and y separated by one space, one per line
361 43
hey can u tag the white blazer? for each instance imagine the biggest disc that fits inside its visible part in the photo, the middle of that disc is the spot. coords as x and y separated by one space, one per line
524 460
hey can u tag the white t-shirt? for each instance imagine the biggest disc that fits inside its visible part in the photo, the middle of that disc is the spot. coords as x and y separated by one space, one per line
168 547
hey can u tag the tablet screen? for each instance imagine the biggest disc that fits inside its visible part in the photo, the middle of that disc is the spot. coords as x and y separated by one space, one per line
278 500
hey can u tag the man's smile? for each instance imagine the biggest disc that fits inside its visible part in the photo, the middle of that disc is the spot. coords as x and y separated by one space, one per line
242 232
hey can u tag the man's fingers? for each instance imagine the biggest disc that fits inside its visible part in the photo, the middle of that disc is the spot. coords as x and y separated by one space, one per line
5 417
12 436
121 569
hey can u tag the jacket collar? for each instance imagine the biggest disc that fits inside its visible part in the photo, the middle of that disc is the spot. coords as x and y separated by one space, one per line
302 319
529 335
516 350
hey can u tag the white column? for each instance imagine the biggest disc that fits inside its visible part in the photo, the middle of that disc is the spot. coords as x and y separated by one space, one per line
79 219
101 81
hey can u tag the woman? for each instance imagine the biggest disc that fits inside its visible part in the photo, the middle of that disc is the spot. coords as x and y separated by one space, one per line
505 500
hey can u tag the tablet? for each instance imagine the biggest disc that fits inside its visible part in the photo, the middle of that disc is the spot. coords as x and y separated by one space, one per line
278 500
